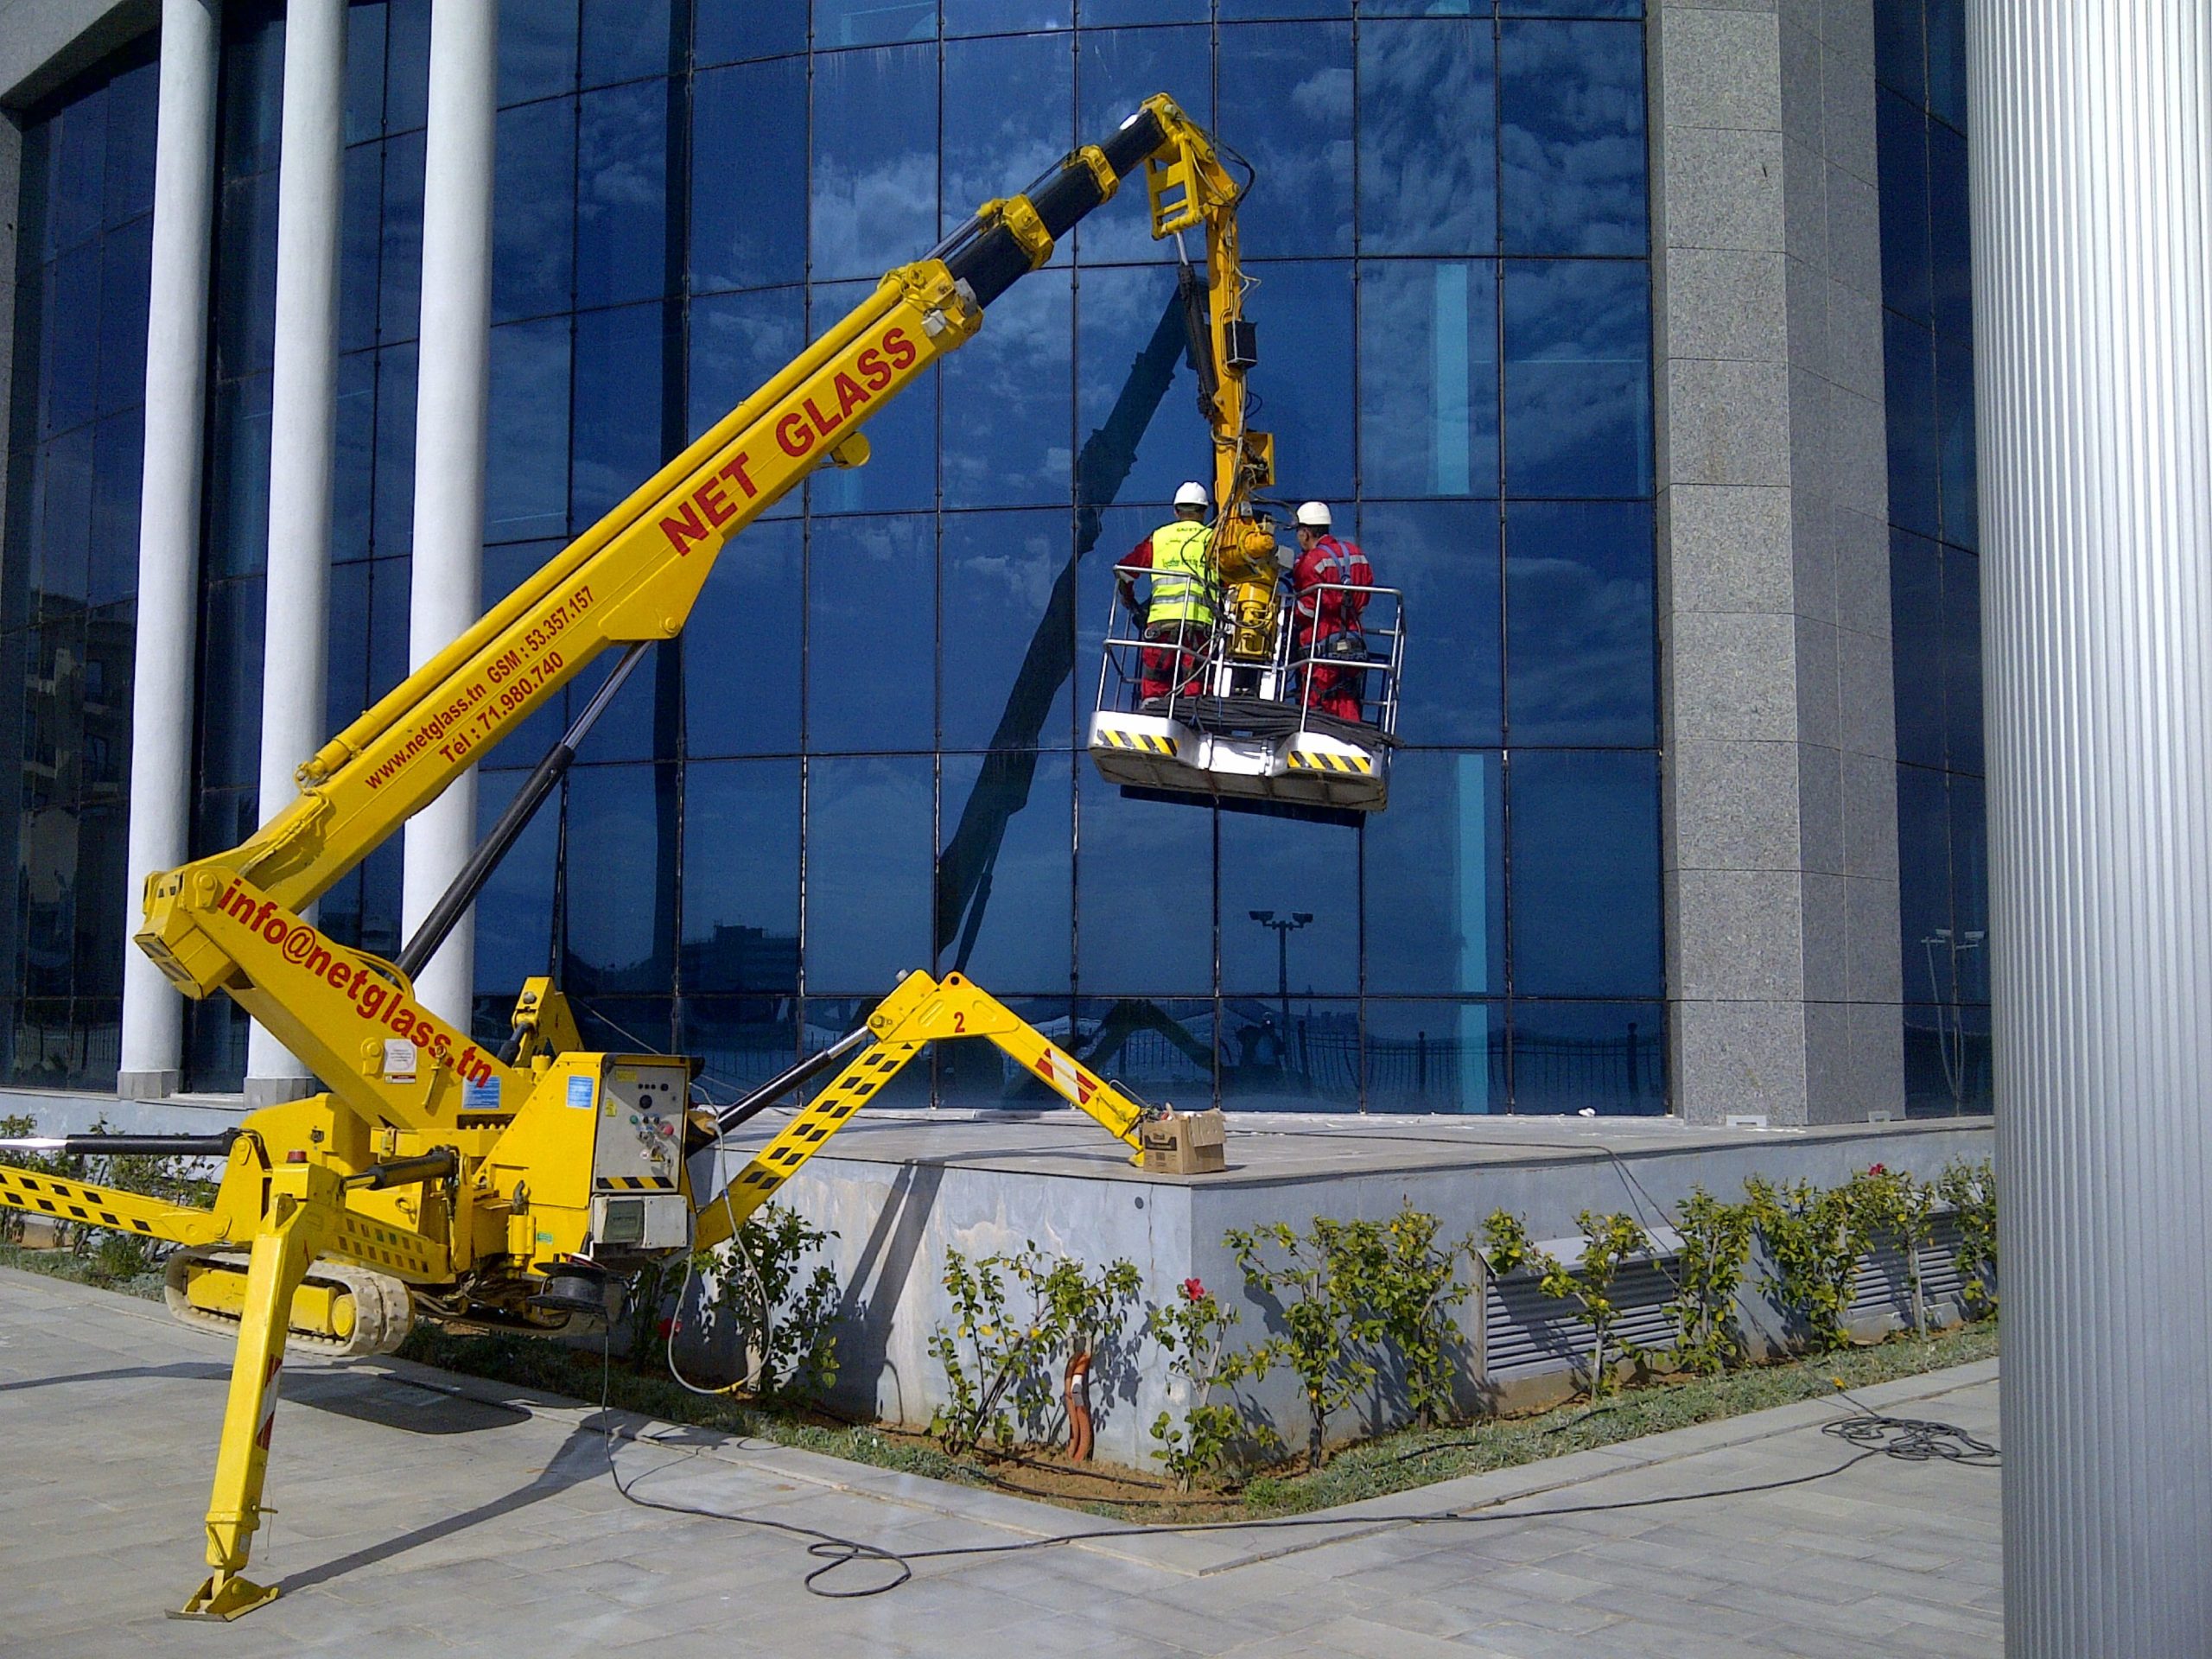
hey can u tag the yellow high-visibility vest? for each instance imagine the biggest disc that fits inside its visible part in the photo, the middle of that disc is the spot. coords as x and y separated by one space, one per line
1182 574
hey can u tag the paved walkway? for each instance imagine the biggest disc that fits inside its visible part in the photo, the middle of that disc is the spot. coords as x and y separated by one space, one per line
424 1514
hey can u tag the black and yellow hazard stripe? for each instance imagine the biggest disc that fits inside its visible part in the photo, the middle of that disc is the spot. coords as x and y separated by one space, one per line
1148 742
1321 760
636 1184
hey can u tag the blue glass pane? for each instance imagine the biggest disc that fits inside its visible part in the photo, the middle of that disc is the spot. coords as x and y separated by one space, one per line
534 205
1444 557
738 342
902 475
1116 70
252 103
361 247
1917 646
65 521
1101 538
237 482
1144 894
741 875
872 23
1304 879
748 223
399 271
389 606
1924 882
1902 135
742 1041
1915 455
871 660
1428 378
873 186
16 530
741 648
1285 107
118 470
640 1025
1302 1056
1004 16
1583 909
1607 1058
1577 377
1009 635
352 475
1954 414
394 528
619 879
1581 632
1970 887
515 911
1011 394
1950 232
407 65
623 40
69 366
622 195
126 260
245 276
365 45
1962 660
128 186
1241 10
869 840
982 1077
724 31
1567 7
1006 870
1946 60
1947 1060
1571 139
526 473
1435 878
230 685
1435 1057
996 144
506 567
619 438
79 186
644 720
1303 312
1102 13
1139 430
1160 1048
537 53
1427 138
345 668
1899 59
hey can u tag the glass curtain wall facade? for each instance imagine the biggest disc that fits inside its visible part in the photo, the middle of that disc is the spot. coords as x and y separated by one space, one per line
70 571
864 756
1935 575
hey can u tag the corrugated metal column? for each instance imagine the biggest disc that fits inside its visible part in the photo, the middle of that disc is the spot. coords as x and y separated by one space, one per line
2092 134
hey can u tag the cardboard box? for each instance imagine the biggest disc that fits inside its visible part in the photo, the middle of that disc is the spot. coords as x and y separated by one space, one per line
1185 1143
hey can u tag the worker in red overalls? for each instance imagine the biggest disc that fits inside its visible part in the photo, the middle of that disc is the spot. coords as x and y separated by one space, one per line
1325 614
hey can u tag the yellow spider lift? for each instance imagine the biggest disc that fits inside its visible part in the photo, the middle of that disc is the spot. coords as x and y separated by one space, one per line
438 1179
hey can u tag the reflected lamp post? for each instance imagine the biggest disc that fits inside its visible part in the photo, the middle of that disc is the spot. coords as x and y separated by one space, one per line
1284 926
1951 1035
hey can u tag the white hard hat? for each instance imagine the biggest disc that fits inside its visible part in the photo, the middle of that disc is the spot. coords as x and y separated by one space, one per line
1314 515
1191 495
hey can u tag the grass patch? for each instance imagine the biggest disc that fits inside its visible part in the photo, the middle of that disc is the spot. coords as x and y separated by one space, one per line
1395 1463
80 1270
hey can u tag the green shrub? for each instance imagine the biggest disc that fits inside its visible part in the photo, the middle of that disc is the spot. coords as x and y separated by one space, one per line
1716 1250
1813 1239
1322 1281
1971 1190
997 1362
1192 1331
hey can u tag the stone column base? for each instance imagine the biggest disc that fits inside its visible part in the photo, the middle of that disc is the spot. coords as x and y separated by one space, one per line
146 1085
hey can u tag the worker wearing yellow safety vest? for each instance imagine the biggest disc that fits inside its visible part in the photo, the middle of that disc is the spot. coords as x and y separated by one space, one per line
1178 614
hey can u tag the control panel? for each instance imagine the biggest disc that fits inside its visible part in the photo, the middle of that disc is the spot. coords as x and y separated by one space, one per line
638 1200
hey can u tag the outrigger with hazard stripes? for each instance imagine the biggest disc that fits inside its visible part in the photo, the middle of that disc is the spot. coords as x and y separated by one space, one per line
520 1187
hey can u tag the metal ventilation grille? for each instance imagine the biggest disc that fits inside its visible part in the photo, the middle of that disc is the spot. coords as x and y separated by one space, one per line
1527 1333
1882 1286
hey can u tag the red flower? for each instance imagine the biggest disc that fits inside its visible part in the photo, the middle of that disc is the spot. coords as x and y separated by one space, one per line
1878 1169
1192 1290
666 1327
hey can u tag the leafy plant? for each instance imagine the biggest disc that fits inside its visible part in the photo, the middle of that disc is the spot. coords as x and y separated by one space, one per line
1894 1205
1814 1239
1322 1281
113 1257
1971 1190
1716 1250
996 1363
1607 1241
758 1290
1414 1286
1192 1331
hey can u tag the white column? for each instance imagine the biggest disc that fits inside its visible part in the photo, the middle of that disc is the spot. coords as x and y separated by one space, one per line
2092 187
168 524
302 415
452 399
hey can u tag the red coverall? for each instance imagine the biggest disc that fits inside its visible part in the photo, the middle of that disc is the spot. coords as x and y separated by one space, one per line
1156 667
1336 691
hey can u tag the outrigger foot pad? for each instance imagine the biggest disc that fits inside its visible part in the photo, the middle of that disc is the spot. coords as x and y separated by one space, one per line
222 1597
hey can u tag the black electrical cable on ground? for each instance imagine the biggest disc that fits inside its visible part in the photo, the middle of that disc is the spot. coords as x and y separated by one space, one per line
1913 1438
